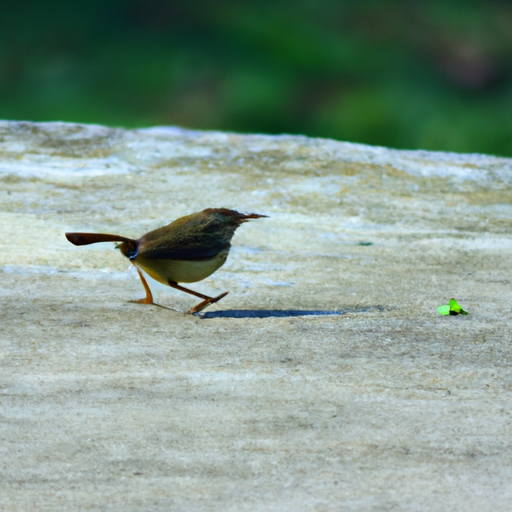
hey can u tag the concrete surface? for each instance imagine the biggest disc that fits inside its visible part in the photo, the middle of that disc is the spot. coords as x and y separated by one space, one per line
325 380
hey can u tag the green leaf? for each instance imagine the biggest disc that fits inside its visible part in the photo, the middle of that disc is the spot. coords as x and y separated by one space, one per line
444 310
451 309
455 308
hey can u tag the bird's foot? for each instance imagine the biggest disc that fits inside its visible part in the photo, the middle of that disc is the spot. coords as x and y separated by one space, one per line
206 303
145 300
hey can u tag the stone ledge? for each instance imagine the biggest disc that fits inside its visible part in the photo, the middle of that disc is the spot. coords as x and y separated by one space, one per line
383 405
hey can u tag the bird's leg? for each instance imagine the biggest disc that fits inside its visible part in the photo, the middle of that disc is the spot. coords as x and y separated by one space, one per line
206 303
202 305
149 296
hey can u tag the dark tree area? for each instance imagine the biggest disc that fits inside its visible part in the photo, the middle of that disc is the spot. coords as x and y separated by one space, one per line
408 74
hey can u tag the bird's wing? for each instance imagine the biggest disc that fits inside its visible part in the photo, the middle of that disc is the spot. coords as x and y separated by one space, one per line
198 236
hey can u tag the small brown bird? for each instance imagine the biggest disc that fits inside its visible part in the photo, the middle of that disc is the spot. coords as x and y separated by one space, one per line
188 250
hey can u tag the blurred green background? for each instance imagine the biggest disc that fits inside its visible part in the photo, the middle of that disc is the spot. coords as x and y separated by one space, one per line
407 74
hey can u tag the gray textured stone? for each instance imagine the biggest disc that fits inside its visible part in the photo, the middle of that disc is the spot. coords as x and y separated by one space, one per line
269 401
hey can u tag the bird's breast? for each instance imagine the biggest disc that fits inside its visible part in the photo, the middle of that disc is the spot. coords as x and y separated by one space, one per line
180 271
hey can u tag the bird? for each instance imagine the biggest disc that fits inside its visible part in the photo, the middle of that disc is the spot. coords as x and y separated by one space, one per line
187 250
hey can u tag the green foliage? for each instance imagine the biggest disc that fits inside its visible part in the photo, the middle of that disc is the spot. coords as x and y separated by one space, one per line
451 309
433 75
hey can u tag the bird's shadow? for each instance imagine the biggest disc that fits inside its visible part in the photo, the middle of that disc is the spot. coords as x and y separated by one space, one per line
285 313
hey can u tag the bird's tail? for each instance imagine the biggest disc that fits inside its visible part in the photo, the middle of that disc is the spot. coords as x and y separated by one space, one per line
94 238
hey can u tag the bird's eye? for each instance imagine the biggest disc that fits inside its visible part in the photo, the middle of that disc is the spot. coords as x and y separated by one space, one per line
132 252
